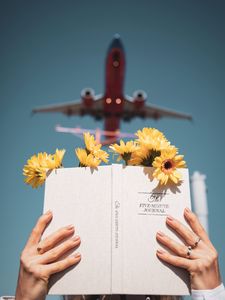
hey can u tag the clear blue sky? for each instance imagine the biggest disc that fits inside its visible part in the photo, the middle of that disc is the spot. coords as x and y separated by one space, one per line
50 50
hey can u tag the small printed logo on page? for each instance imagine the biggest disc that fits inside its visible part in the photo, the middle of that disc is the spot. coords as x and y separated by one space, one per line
152 203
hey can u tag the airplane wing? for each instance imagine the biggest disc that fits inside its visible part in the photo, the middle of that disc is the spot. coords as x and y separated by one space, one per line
73 108
158 112
150 111
70 108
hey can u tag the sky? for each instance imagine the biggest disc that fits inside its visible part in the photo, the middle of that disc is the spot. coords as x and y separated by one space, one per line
51 50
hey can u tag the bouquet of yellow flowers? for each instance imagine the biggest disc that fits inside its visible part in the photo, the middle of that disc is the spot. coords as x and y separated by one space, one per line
150 149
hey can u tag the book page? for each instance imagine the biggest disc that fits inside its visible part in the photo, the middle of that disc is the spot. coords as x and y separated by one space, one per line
143 210
82 197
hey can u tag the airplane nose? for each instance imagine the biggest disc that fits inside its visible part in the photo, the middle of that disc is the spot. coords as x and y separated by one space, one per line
116 43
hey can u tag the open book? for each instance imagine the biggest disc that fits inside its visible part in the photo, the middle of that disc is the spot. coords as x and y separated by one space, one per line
116 211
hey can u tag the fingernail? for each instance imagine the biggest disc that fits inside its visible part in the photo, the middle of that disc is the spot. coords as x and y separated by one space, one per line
49 212
170 218
70 227
160 233
160 251
187 210
77 255
76 238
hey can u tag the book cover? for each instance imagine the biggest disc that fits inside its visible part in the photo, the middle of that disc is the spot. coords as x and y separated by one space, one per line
116 211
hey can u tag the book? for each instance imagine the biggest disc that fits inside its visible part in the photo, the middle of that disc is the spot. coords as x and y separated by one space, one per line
116 211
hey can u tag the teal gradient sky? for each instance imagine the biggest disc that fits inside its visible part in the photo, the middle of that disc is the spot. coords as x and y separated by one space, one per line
51 50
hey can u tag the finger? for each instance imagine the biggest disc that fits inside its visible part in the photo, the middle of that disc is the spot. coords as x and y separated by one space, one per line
174 260
54 254
174 246
63 264
54 238
187 235
38 229
196 226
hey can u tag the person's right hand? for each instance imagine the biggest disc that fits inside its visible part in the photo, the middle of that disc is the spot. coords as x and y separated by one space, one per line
196 254
40 259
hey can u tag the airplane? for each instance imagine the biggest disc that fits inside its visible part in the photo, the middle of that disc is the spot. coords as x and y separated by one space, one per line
113 106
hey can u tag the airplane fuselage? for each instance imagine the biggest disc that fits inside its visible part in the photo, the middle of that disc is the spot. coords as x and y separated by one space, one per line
114 82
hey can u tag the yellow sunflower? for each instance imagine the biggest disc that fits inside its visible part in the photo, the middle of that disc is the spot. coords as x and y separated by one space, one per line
143 156
35 169
90 143
42 159
92 155
152 138
37 166
87 160
101 154
166 166
57 158
124 150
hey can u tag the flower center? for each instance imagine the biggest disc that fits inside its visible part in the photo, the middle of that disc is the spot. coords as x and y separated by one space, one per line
168 165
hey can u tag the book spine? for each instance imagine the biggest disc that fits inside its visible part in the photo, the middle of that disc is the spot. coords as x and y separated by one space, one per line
117 245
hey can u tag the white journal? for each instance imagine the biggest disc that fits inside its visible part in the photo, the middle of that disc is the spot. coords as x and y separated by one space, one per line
117 212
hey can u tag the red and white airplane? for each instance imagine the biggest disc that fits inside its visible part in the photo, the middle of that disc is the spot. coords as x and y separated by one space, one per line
113 106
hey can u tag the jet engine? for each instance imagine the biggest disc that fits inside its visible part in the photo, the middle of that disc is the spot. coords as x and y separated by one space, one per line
139 98
88 96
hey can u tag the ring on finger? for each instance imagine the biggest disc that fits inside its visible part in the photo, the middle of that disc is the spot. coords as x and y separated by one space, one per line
196 243
39 250
189 252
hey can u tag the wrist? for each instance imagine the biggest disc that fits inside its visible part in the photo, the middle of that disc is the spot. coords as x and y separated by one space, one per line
30 287
23 294
206 279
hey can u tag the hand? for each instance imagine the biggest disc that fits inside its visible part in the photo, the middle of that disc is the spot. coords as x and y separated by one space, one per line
40 259
200 260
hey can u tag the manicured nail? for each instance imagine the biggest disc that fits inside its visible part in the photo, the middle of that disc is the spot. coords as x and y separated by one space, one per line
187 210
160 233
160 251
170 218
76 238
77 255
70 227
